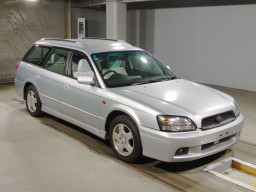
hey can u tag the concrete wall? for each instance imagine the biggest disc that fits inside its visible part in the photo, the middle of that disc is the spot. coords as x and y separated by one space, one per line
214 45
22 23
96 21
141 29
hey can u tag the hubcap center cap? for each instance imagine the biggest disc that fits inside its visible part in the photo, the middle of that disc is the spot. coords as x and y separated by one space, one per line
122 139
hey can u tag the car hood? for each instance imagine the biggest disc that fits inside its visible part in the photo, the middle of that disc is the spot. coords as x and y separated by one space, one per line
179 97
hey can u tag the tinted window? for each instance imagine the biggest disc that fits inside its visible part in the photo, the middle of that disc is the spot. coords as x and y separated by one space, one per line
80 65
56 61
37 55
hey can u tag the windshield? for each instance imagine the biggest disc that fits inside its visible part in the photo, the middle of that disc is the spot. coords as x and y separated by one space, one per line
130 68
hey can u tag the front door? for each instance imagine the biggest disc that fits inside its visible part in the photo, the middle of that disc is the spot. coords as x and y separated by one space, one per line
81 101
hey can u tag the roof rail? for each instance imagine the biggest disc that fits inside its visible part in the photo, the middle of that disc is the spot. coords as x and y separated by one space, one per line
99 38
58 39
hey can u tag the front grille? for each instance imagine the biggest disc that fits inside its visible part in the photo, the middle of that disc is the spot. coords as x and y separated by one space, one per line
218 120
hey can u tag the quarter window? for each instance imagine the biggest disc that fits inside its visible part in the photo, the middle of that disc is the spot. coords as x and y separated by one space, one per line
56 61
37 55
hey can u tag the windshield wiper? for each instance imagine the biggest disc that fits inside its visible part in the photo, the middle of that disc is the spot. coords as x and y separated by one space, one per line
174 78
154 80
144 82
167 78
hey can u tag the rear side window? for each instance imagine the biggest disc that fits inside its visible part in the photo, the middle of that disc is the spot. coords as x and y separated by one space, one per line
56 61
37 55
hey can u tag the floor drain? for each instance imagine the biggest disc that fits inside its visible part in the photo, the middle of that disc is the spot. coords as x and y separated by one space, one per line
236 171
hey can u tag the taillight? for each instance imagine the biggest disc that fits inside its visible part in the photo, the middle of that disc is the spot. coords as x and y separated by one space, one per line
17 65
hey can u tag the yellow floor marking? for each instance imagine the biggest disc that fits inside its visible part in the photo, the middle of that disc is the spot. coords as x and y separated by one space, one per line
254 185
244 167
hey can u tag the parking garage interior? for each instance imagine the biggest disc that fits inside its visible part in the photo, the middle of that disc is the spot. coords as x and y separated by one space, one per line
209 42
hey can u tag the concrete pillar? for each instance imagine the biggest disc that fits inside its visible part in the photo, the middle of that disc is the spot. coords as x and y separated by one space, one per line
116 20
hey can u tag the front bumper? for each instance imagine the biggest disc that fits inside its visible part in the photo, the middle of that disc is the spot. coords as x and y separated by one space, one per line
163 145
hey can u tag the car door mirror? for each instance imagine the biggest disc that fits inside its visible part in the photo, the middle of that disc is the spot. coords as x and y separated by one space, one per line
84 79
168 67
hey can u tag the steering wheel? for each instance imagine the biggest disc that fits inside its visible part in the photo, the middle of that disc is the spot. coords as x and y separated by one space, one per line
110 71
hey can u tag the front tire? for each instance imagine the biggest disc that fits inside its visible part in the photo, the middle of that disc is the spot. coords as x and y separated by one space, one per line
125 139
33 101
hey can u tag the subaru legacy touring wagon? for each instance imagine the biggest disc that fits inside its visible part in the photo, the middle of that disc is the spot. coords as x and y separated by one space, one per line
124 94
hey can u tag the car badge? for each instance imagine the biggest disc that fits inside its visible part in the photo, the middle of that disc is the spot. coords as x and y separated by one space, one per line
219 118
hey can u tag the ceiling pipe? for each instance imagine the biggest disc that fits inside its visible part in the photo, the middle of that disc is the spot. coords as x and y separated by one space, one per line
96 3
135 1
90 3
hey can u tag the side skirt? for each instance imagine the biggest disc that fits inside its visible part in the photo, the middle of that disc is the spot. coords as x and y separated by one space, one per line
99 133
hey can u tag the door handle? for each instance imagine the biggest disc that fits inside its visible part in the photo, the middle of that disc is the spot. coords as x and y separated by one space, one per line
65 86
38 76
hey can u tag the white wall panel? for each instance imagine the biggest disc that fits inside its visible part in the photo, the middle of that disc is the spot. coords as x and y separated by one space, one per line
215 45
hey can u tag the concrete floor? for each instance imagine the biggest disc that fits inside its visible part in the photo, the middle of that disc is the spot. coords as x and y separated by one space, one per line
48 154
36 157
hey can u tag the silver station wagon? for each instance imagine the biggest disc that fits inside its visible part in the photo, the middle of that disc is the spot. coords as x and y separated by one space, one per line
124 94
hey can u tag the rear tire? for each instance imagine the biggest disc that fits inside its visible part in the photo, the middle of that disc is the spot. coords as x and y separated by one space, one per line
33 101
125 139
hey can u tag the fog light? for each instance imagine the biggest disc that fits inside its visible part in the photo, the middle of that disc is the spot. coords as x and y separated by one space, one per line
182 151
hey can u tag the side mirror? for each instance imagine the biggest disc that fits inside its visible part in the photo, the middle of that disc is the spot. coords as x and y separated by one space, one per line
88 80
168 67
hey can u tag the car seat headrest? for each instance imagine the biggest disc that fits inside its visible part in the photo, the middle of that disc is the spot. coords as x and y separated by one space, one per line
113 61
83 66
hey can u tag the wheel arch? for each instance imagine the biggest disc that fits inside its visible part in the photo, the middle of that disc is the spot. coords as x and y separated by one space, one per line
27 84
118 112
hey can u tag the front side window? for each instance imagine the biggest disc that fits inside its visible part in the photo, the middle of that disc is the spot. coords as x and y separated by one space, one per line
80 66
56 61
130 68
37 55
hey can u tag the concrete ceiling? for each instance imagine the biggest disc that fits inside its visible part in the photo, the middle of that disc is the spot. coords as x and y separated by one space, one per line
92 3
153 4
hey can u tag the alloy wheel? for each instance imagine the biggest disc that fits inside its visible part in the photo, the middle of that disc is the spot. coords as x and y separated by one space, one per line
123 139
32 101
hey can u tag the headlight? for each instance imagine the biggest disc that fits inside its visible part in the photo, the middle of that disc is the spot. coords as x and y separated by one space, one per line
237 111
175 124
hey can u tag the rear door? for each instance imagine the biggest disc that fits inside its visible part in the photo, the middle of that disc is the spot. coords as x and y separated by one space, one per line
50 79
